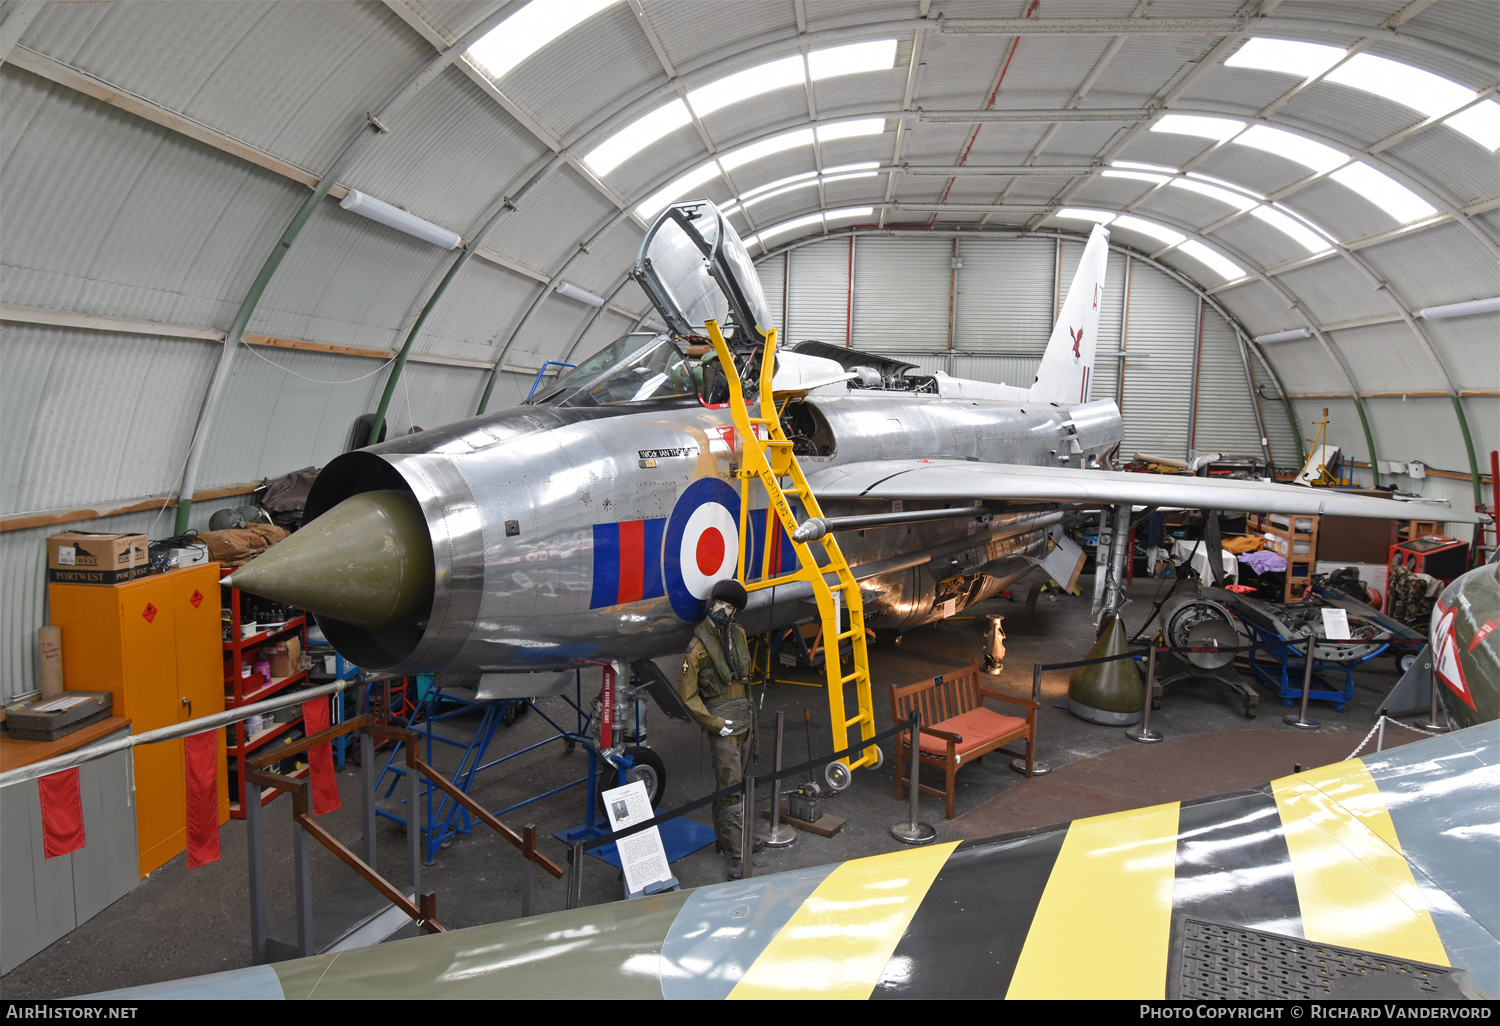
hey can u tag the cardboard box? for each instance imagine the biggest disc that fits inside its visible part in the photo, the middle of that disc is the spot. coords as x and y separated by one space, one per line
287 658
78 557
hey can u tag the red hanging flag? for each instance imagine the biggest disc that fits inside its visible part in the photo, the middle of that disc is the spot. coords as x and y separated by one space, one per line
62 813
325 786
200 756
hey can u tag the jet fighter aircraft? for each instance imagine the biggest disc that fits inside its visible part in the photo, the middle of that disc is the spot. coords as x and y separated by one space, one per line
590 523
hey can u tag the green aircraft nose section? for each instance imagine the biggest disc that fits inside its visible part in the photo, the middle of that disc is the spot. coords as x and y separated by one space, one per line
1108 693
366 562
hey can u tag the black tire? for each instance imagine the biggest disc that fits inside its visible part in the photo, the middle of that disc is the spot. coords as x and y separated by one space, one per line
648 767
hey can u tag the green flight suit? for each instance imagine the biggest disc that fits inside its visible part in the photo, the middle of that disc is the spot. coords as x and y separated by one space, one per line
712 694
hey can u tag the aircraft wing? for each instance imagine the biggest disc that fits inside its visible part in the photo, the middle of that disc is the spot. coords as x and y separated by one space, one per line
954 479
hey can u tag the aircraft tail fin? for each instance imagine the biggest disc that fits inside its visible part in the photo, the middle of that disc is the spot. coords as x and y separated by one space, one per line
1069 360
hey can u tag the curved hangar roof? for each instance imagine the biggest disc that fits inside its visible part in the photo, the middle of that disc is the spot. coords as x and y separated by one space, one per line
1321 167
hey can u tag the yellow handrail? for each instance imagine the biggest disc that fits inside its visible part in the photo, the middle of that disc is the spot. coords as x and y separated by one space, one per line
769 460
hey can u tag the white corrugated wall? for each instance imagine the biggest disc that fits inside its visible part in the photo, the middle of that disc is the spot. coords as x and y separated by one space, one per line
901 294
1224 418
1159 351
818 302
1005 296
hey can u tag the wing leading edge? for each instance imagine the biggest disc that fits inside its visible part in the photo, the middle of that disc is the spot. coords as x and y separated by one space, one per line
951 479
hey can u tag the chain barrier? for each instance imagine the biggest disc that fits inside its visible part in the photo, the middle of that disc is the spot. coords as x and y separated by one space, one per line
1384 719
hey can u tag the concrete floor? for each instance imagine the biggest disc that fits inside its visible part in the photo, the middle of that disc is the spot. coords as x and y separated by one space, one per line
179 923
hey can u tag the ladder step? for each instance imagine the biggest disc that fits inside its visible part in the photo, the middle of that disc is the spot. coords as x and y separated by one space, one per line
851 632
852 676
862 717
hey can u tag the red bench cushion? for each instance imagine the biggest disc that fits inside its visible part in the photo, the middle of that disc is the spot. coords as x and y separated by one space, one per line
977 727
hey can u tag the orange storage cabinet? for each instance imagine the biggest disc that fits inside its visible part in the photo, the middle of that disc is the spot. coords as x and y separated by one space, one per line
156 645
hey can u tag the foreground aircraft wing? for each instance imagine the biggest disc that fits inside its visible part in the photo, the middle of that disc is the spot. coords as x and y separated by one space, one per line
1380 854
952 479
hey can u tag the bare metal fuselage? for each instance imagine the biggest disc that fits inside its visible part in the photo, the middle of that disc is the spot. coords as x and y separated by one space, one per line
514 502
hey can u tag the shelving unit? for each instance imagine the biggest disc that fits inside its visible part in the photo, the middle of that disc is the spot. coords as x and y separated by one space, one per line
1295 538
241 691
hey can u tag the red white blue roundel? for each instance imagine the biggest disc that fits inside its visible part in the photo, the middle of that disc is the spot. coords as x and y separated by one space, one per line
702 545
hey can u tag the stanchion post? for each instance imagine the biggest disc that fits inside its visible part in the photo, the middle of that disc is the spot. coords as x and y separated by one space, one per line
413 819
1433 724
1301 720
255 840
528 882
1038 768
780 835
747 831
302 866
575 875
913 831
1146 735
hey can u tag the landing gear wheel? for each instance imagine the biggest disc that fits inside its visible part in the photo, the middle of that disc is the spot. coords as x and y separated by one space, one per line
648 769
837 775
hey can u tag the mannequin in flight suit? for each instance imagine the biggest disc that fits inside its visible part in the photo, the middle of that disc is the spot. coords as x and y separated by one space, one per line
715 688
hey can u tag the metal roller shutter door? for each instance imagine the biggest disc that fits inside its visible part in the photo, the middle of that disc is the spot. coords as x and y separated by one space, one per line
819 295
901 294
1004 301
1225 419
772 281
1158 383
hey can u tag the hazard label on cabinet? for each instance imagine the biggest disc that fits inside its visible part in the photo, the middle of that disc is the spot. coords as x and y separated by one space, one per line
149 613
197 598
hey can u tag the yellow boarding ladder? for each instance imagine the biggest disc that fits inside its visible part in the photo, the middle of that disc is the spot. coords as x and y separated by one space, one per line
770 459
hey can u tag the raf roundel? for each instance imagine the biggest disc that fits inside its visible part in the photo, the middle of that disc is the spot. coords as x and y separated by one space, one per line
702 545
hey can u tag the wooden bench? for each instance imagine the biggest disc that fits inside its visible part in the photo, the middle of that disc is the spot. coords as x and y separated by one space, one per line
957 727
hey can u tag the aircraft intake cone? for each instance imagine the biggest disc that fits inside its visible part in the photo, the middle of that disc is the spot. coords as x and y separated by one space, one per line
366 562
1108 693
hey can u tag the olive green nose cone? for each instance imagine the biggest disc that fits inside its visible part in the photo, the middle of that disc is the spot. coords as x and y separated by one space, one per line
1108 693
366 562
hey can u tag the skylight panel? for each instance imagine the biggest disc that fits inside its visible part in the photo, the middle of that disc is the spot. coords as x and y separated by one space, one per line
1085 214
1227 185
864 165
752 200
656 203
1160 233
1233 199
850 129
879 55
1292 229
776 184
1384 191
766 147
1142 167
1287 56
1217 129
1212 259
742 85
849 177
1140 176
848 212
528 30
636 136
1401 83
1293 147
1481 123
792 225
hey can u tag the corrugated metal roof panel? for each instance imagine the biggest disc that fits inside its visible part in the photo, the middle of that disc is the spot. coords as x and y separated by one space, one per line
1167 149
429 393
1340 211
1463 168
91 416
901 294
1254 169
452 18
688 28
1109 193
1144 64
1385 358
658 164
311 69
1332 291
549 334
484 301
1183 207
450 153
1352 113
348 281
860 148
1242 89
1257 240
933 142
1467 346
112 215
1443 264
558 214
609 256
754 117
1306 367
773 169
560 86
1258 308
1457 25
861 91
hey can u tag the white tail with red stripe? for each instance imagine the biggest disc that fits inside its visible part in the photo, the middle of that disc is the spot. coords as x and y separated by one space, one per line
1068 362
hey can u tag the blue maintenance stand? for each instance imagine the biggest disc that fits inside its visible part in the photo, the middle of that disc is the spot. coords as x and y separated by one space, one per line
442 818
1284 672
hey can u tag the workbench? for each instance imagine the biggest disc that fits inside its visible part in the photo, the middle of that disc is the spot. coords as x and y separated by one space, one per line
45 899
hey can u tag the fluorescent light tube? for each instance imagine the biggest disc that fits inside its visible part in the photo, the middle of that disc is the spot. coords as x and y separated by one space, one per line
1466 309
357 202
582 295
1284 336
